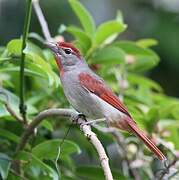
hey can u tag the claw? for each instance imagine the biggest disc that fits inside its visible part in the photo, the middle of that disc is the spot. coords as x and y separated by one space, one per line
82 116
75 118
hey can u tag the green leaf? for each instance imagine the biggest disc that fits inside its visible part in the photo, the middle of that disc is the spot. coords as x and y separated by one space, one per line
35 54
15 46
31 47
28 72
62 29
49 57
146 43
141 96
3 111
131 48
109 55
96 173
5 163
5 59
108 30
47 125
35 161
139 80
14 102
36 36
49 149
174 134
137 112
2 49
168 123
152 118
9 135
143 59
41 63
166 110
64 177
36 99
5 52
81 37
175 112
83 15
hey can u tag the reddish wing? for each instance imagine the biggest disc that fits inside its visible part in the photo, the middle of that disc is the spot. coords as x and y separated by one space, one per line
100 89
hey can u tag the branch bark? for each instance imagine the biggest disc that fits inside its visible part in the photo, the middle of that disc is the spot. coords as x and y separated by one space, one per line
42 21
86 129
13 113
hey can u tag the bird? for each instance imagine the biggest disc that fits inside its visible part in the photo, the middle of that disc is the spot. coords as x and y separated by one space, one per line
89 94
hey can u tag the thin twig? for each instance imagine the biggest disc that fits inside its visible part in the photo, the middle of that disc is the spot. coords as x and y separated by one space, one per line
42 21
9 108
60 148
22 105
13 113
86 129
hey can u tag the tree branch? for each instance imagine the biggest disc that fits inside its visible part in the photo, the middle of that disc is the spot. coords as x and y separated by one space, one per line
42 21
13 113
86 129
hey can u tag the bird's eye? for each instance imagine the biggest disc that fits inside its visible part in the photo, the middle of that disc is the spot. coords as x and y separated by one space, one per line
67 51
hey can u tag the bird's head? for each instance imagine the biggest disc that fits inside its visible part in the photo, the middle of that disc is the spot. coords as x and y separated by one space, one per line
67 56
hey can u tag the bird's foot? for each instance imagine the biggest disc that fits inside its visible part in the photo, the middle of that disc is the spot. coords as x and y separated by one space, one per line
75 118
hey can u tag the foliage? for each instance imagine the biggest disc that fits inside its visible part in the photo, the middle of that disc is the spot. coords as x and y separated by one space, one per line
122 64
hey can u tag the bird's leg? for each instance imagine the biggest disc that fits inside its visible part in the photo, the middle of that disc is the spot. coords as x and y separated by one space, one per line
105 129
91 122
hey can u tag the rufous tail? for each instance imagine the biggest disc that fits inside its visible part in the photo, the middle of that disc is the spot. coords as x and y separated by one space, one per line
133 127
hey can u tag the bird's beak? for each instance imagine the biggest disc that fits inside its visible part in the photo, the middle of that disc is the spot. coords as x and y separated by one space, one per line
52 46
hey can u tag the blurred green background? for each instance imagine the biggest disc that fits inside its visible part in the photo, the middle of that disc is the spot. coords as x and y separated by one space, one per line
157 19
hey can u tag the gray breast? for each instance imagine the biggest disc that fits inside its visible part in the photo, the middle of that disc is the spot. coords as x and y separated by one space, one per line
79 97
